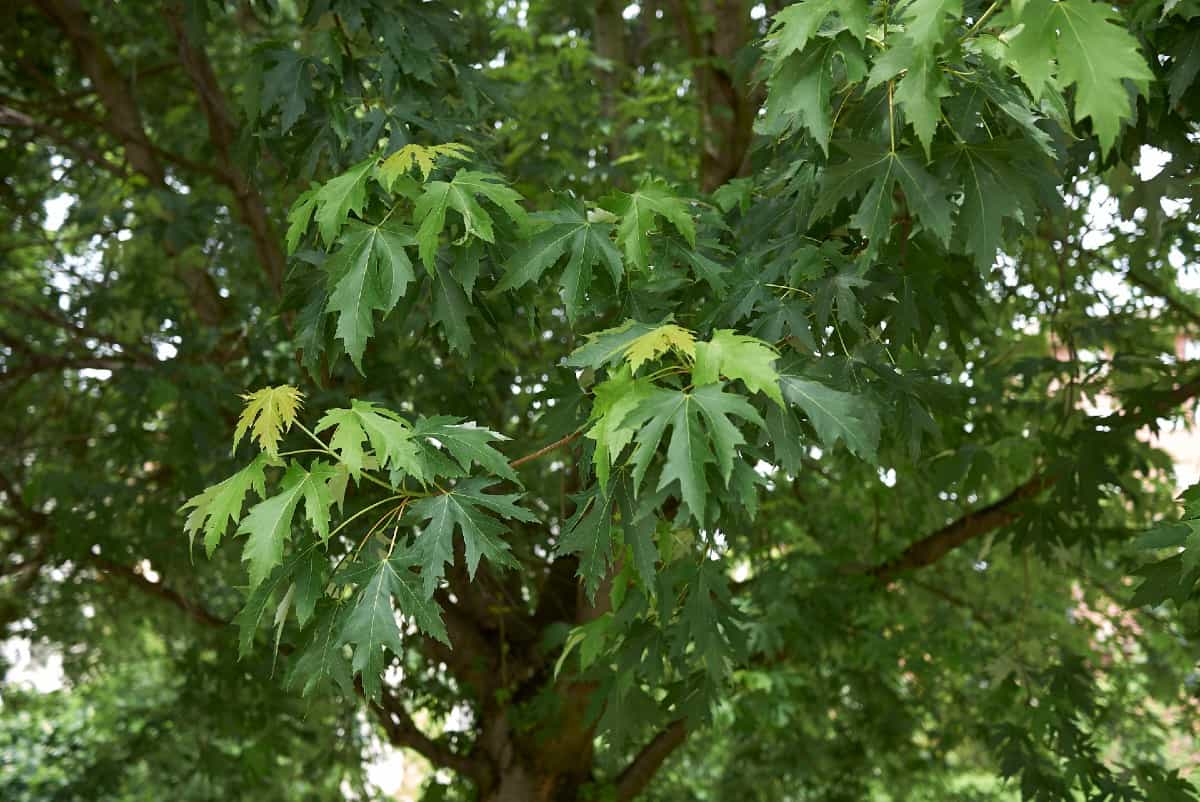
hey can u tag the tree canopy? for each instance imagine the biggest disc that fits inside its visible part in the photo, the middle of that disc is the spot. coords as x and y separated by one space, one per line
677 400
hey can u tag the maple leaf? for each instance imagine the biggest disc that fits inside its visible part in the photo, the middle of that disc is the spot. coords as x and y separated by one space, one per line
371 624
420 156
304 572
459 194
800 88
271 411
220 504
1093 54
570 231
287 85
991 194
299 216
702 433
616 398
340 197
451 310
269 522
391 438
589 534
608 346
658 341
882 169
463 507
796 24
640 211
369 273
836 415
737 356
467 443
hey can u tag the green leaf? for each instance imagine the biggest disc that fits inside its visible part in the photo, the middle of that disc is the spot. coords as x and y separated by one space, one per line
306 568
640 212
463 507
320 658
467 443
221 504
793 27
429 213
800 89
991 194
269 523
371 623
836 415
736 356
299 216
616 398
589 534
882 170
287 85
370 272
267 414
607 347
340 197
391 438
451 310
589 244
702 433
1093 54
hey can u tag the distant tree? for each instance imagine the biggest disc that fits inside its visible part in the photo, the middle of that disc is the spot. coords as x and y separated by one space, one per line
691 399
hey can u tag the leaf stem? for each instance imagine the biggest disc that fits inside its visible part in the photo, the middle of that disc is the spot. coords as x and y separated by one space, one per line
982 19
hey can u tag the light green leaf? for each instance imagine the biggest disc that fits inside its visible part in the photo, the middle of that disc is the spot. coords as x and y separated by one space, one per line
340 197
737 356
221 504
640 211
391 438
269 523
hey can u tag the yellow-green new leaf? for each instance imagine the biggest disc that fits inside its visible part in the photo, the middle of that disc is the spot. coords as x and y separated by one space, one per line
659 341
267 415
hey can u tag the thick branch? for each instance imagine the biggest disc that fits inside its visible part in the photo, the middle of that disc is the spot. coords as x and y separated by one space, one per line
645 765
402 731
221 132
933 547
124 121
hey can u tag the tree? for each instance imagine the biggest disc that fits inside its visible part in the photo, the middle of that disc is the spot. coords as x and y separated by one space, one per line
699 399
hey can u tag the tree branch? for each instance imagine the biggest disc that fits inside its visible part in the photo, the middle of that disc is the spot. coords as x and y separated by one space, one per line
197 611
124 120
645 764
544 450
402 731
221 132
936 545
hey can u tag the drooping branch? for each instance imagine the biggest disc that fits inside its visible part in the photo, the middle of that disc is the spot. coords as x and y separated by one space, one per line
637 775
124 119
195 610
